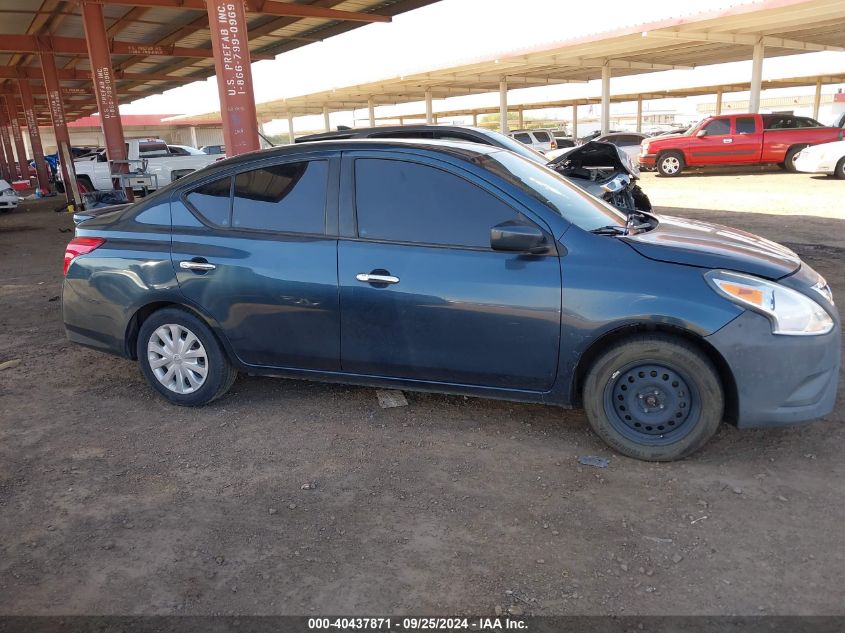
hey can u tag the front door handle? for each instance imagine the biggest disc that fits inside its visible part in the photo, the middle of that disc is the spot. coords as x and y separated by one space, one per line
192 265
371 278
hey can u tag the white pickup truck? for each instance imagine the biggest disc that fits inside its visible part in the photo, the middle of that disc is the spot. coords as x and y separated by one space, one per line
93 171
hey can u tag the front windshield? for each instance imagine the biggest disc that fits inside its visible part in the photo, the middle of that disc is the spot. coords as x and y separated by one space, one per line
552 190
692 128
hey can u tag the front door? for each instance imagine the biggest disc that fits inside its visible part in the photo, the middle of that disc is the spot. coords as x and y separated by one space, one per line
253 252
422 294
715 146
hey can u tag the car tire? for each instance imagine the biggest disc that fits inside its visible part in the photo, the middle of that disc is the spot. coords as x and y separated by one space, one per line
670 164
789 161
839 170
654 398
182 359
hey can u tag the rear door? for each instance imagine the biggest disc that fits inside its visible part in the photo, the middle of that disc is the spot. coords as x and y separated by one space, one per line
747 140
714 148
422 294
257 252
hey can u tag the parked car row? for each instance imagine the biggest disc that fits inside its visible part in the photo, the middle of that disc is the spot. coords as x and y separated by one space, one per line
442 265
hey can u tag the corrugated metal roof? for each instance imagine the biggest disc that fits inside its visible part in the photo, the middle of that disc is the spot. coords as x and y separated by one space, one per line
178 26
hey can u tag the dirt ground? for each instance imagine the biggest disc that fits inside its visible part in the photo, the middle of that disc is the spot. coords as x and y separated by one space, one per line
113 502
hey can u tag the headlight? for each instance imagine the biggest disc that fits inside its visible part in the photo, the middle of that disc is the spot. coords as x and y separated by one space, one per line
823 289
8 192
789 311
644 148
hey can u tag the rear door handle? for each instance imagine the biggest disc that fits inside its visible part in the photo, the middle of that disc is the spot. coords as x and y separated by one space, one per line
191 265
377 279
727 140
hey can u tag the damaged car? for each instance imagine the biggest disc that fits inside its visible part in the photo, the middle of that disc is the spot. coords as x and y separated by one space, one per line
604 171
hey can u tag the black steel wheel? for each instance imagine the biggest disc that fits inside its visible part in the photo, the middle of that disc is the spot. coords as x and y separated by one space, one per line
654 397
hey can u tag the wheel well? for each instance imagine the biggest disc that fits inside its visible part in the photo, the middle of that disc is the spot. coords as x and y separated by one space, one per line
144 313
615 336
85 178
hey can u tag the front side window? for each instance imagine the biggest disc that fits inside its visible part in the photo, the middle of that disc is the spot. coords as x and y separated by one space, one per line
409 202
745 125
290 197
523 138
212 201
718 127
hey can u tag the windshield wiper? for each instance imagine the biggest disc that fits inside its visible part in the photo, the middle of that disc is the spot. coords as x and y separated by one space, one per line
610 229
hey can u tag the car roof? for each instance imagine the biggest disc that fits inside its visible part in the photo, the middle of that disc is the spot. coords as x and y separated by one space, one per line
363 132
462 150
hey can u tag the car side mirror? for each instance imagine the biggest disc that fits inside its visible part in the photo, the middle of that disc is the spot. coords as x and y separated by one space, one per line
518 238
701 133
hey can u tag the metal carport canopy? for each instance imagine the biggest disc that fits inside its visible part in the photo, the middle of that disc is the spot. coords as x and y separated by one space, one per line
780 27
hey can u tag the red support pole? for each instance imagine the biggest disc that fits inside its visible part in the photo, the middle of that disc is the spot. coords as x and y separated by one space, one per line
230 43
5 174
5 141
14 123
102 74
34 136
57 112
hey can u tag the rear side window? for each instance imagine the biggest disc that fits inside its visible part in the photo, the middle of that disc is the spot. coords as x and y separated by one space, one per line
745 125
718 127
290 197
409 202
523 138
542 137
152 150
212 201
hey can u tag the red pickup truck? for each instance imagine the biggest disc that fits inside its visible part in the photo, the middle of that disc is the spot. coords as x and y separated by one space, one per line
736 139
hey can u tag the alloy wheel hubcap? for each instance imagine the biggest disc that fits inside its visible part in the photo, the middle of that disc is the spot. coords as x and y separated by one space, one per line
670 165
651 399
177 358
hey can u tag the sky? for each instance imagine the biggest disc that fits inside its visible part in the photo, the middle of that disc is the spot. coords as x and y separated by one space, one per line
451 32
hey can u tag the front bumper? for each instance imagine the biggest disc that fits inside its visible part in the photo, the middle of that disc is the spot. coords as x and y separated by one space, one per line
780 380
814 165
647 160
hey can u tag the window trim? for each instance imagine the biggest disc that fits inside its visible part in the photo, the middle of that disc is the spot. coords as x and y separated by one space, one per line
353 207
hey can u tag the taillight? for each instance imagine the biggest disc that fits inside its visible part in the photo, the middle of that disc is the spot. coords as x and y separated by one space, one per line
553 144
80 246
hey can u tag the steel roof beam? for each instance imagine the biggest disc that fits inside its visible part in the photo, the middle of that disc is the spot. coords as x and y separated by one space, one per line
741 38
15 43
67 74
263 7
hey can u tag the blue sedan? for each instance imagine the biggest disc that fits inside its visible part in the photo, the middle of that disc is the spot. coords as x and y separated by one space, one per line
458 268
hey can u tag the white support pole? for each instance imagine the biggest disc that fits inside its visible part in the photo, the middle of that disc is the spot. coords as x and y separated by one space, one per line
574 132
194 141
371 107
503 106
639 115
719 102
326 120
429 117
475 119
756 77
605 98
290 129
817 99
521 118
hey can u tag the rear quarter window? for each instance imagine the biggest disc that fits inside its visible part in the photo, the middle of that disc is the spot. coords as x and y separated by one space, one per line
212 201
542 137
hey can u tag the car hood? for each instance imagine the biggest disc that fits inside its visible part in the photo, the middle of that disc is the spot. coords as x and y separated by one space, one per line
593 154
694 243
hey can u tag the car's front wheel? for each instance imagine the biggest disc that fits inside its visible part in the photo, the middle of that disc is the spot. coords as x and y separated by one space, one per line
182 359
670 164
839 170
654 397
